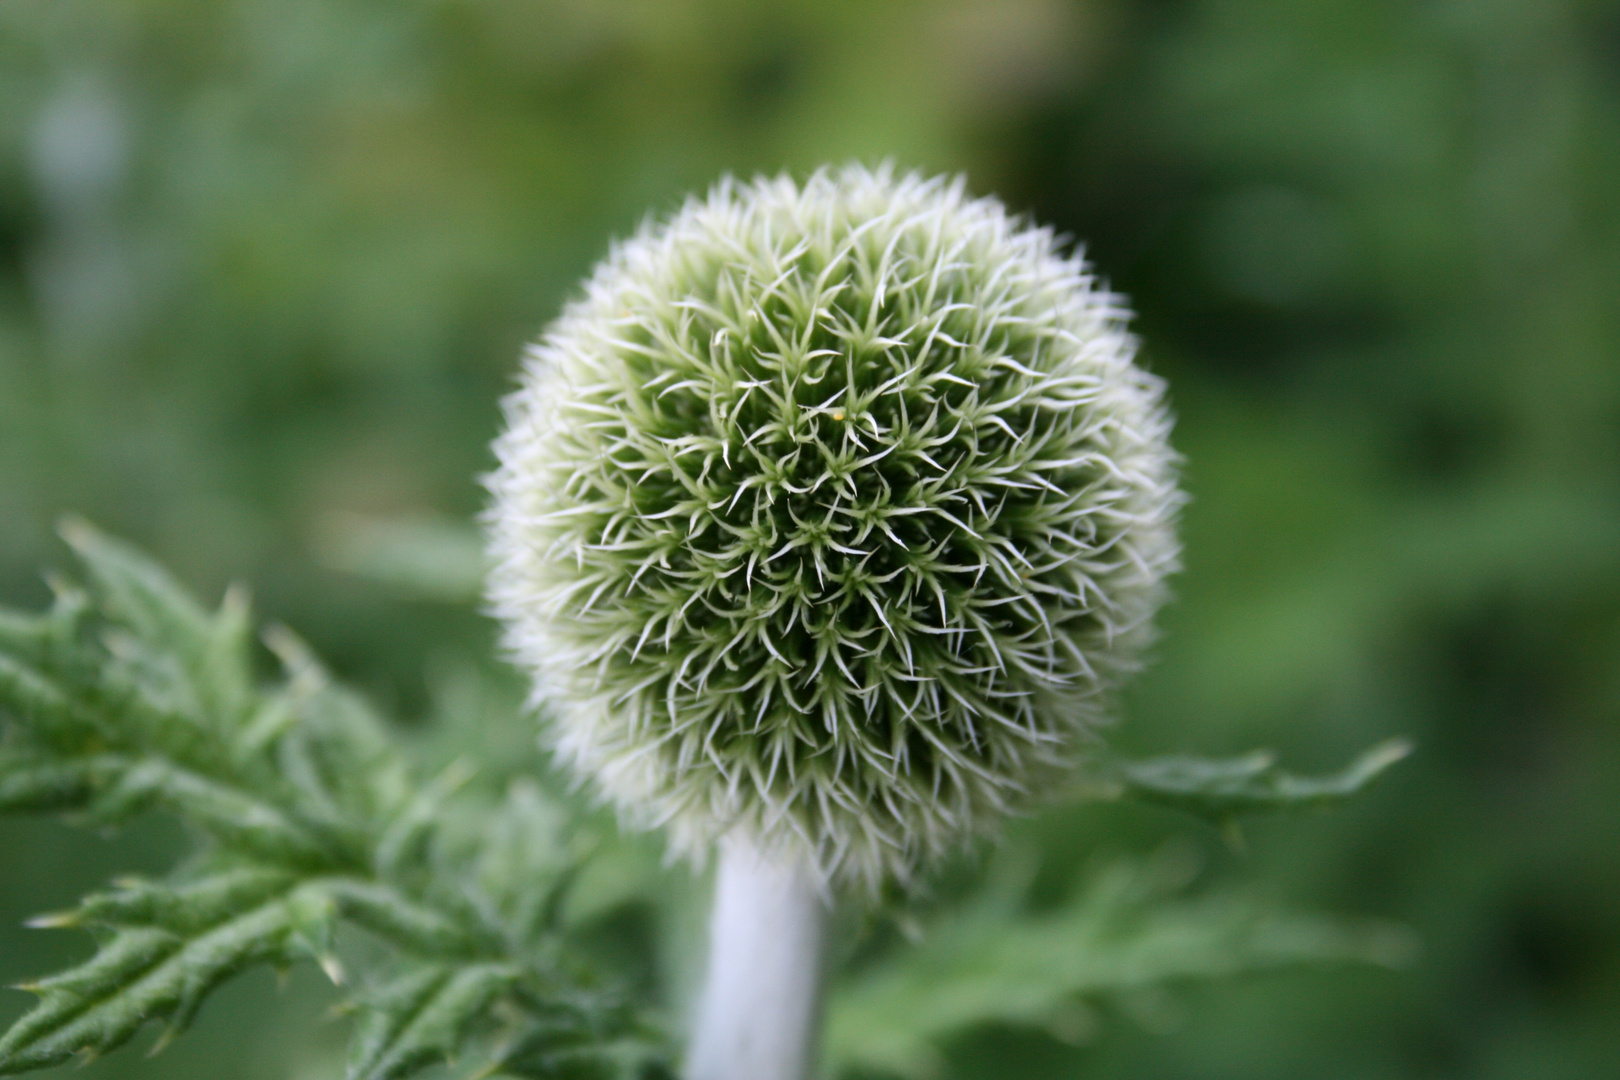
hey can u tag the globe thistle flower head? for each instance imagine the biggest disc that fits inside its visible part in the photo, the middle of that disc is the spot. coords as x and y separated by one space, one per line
832 513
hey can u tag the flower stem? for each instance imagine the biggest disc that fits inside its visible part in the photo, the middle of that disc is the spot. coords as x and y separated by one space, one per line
761 1006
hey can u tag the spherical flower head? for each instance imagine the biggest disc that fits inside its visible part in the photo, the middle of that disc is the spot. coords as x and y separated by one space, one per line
832 514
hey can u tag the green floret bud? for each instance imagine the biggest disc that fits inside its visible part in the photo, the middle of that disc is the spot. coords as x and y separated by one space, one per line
833 513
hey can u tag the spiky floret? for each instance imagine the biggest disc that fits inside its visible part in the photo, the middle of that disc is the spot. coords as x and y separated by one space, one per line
832 513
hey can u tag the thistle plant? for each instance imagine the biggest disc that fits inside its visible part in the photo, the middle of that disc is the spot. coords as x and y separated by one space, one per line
828 520
830 515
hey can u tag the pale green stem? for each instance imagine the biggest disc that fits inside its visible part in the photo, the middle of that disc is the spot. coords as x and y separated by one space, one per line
760 1012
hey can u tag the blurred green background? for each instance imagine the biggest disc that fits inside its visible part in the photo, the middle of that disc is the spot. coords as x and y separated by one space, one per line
266 267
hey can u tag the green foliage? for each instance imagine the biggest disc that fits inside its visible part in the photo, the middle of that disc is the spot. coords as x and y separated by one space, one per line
168 947
1125 932
307 816
430 559
1253 783
420 1017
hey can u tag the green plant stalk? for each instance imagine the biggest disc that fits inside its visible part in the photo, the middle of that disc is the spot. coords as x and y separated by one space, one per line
759 1016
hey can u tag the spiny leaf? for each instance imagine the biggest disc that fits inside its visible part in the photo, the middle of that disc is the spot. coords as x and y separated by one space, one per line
187 907
235 816
40 701
311 815
411 829
1119 935
335 750
581 1054
601 1041
522 863
30 783
211 650
23 635
1253 783
423 1017
390 914
144 973
43 639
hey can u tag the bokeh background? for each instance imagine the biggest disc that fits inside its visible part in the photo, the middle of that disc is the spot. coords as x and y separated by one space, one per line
266 267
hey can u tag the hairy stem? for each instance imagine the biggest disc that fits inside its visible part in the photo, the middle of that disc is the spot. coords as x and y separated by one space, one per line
761 1007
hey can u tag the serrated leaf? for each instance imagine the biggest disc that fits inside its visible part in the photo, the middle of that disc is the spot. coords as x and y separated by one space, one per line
1118 936
26 636
30 783
423 1017
210 650
392 915
336 750
412 828
309 813
39 640
235 816
1222 789
602 1044
188 907
41 702
145 972
590 1061
522 863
